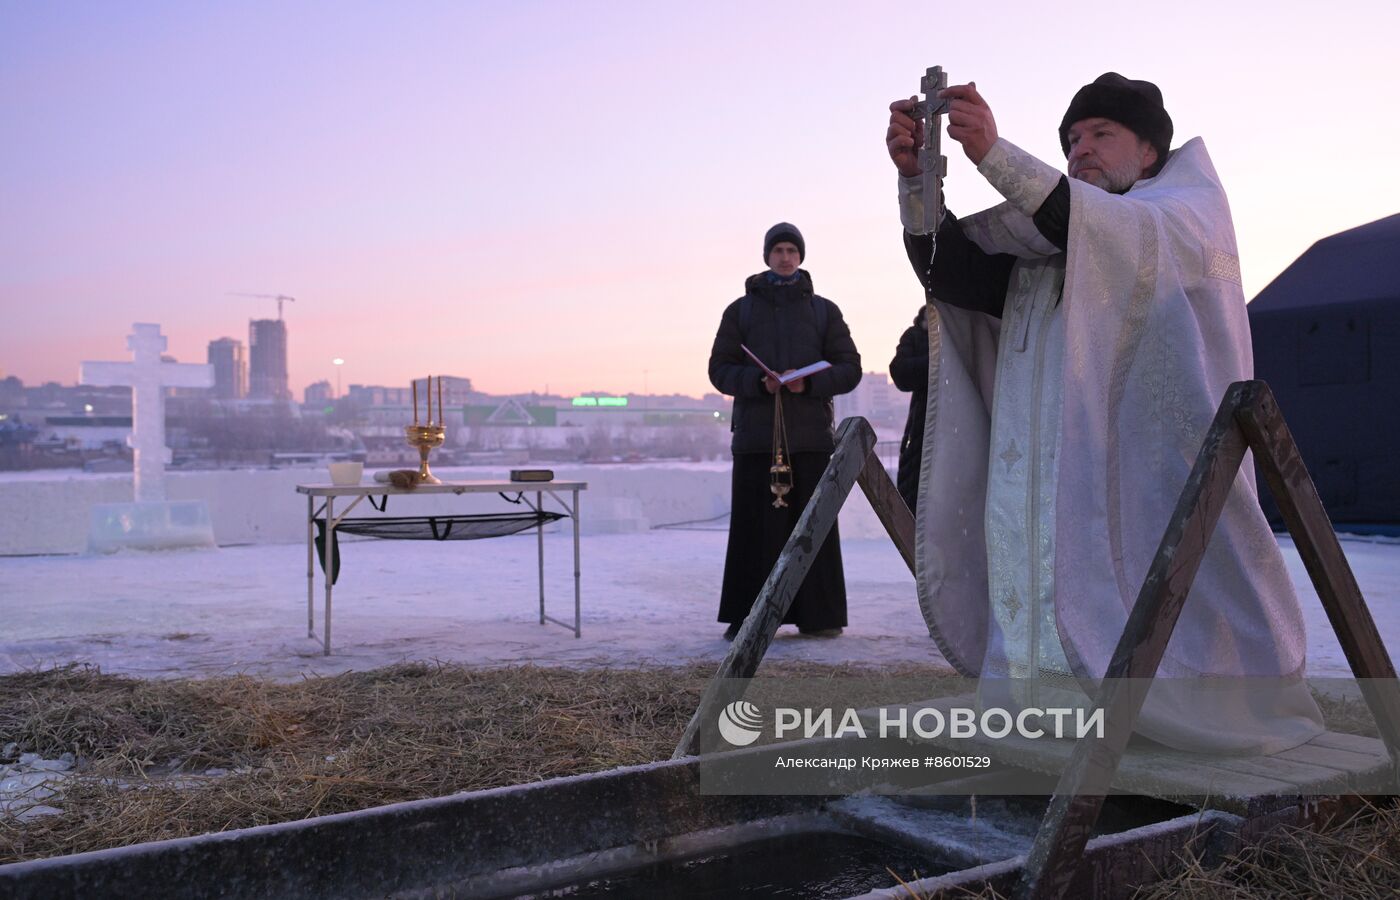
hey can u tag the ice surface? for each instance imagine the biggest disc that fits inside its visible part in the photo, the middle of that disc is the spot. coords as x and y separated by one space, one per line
152 525
648 598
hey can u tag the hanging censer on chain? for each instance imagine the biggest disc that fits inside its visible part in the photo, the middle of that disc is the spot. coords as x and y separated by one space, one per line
780 473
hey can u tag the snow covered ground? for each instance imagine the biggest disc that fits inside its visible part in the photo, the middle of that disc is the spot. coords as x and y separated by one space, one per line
648 597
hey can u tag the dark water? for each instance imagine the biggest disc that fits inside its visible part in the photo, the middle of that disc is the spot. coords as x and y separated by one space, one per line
813 865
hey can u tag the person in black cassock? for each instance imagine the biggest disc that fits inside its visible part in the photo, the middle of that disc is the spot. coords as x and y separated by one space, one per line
909 372
788 326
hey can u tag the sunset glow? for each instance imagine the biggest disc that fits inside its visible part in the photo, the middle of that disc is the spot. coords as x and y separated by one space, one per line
565 196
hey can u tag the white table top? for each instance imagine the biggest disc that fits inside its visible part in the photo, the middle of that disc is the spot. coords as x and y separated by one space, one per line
447 487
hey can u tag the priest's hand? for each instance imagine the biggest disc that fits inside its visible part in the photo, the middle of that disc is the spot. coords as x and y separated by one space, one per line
771 384
904 137
970 120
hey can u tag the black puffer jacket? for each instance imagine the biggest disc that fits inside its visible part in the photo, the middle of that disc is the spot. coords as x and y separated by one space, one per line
782 331
909 372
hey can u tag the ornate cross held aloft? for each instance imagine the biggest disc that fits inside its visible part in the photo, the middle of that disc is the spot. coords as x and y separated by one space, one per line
934 164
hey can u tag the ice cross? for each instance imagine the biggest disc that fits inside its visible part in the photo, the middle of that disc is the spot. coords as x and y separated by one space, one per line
147 376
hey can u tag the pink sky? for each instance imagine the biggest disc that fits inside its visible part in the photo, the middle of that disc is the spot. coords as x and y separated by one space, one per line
567 195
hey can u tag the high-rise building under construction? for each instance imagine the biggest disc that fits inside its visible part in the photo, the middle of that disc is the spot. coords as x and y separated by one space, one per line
230 369
267 345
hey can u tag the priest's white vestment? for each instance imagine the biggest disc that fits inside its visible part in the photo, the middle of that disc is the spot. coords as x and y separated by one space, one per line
1058 440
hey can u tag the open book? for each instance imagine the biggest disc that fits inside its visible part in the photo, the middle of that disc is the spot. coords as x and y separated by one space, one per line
814 368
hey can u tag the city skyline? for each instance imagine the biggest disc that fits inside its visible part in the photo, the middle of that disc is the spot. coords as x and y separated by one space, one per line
564 197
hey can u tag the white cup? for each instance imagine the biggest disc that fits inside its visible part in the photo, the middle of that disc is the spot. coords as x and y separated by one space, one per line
346 474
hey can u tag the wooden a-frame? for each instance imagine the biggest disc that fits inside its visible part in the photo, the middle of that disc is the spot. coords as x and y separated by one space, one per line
1248 419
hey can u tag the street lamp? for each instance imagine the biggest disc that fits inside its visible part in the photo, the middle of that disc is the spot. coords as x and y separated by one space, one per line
337 362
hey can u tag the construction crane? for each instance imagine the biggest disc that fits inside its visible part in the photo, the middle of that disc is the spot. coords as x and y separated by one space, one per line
278 297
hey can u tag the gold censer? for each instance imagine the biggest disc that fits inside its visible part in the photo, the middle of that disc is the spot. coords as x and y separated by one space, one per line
779 473
779 479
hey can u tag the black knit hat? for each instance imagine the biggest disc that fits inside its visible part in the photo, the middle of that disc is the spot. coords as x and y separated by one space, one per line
1136 104
784 231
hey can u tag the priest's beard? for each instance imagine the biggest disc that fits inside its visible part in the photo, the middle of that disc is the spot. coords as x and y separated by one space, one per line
1116 180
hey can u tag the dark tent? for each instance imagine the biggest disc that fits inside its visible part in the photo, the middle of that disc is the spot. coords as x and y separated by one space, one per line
1327 340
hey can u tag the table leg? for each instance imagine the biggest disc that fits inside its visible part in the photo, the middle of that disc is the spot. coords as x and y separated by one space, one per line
539 534
311 561
578 630
328 571
310 565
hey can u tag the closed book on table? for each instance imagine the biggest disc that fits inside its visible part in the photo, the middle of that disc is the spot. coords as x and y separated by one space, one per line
531 474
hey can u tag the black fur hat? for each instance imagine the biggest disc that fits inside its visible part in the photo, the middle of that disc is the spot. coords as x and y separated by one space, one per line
1136 104
784 231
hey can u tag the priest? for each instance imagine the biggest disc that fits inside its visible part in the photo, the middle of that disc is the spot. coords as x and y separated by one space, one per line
1082 334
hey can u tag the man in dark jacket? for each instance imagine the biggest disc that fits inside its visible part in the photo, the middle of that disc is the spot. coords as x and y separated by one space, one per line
787 326
909 372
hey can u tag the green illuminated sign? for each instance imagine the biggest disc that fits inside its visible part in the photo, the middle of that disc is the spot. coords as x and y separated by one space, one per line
599 401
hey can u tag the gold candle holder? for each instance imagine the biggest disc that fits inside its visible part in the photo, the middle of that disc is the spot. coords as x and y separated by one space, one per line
425 438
